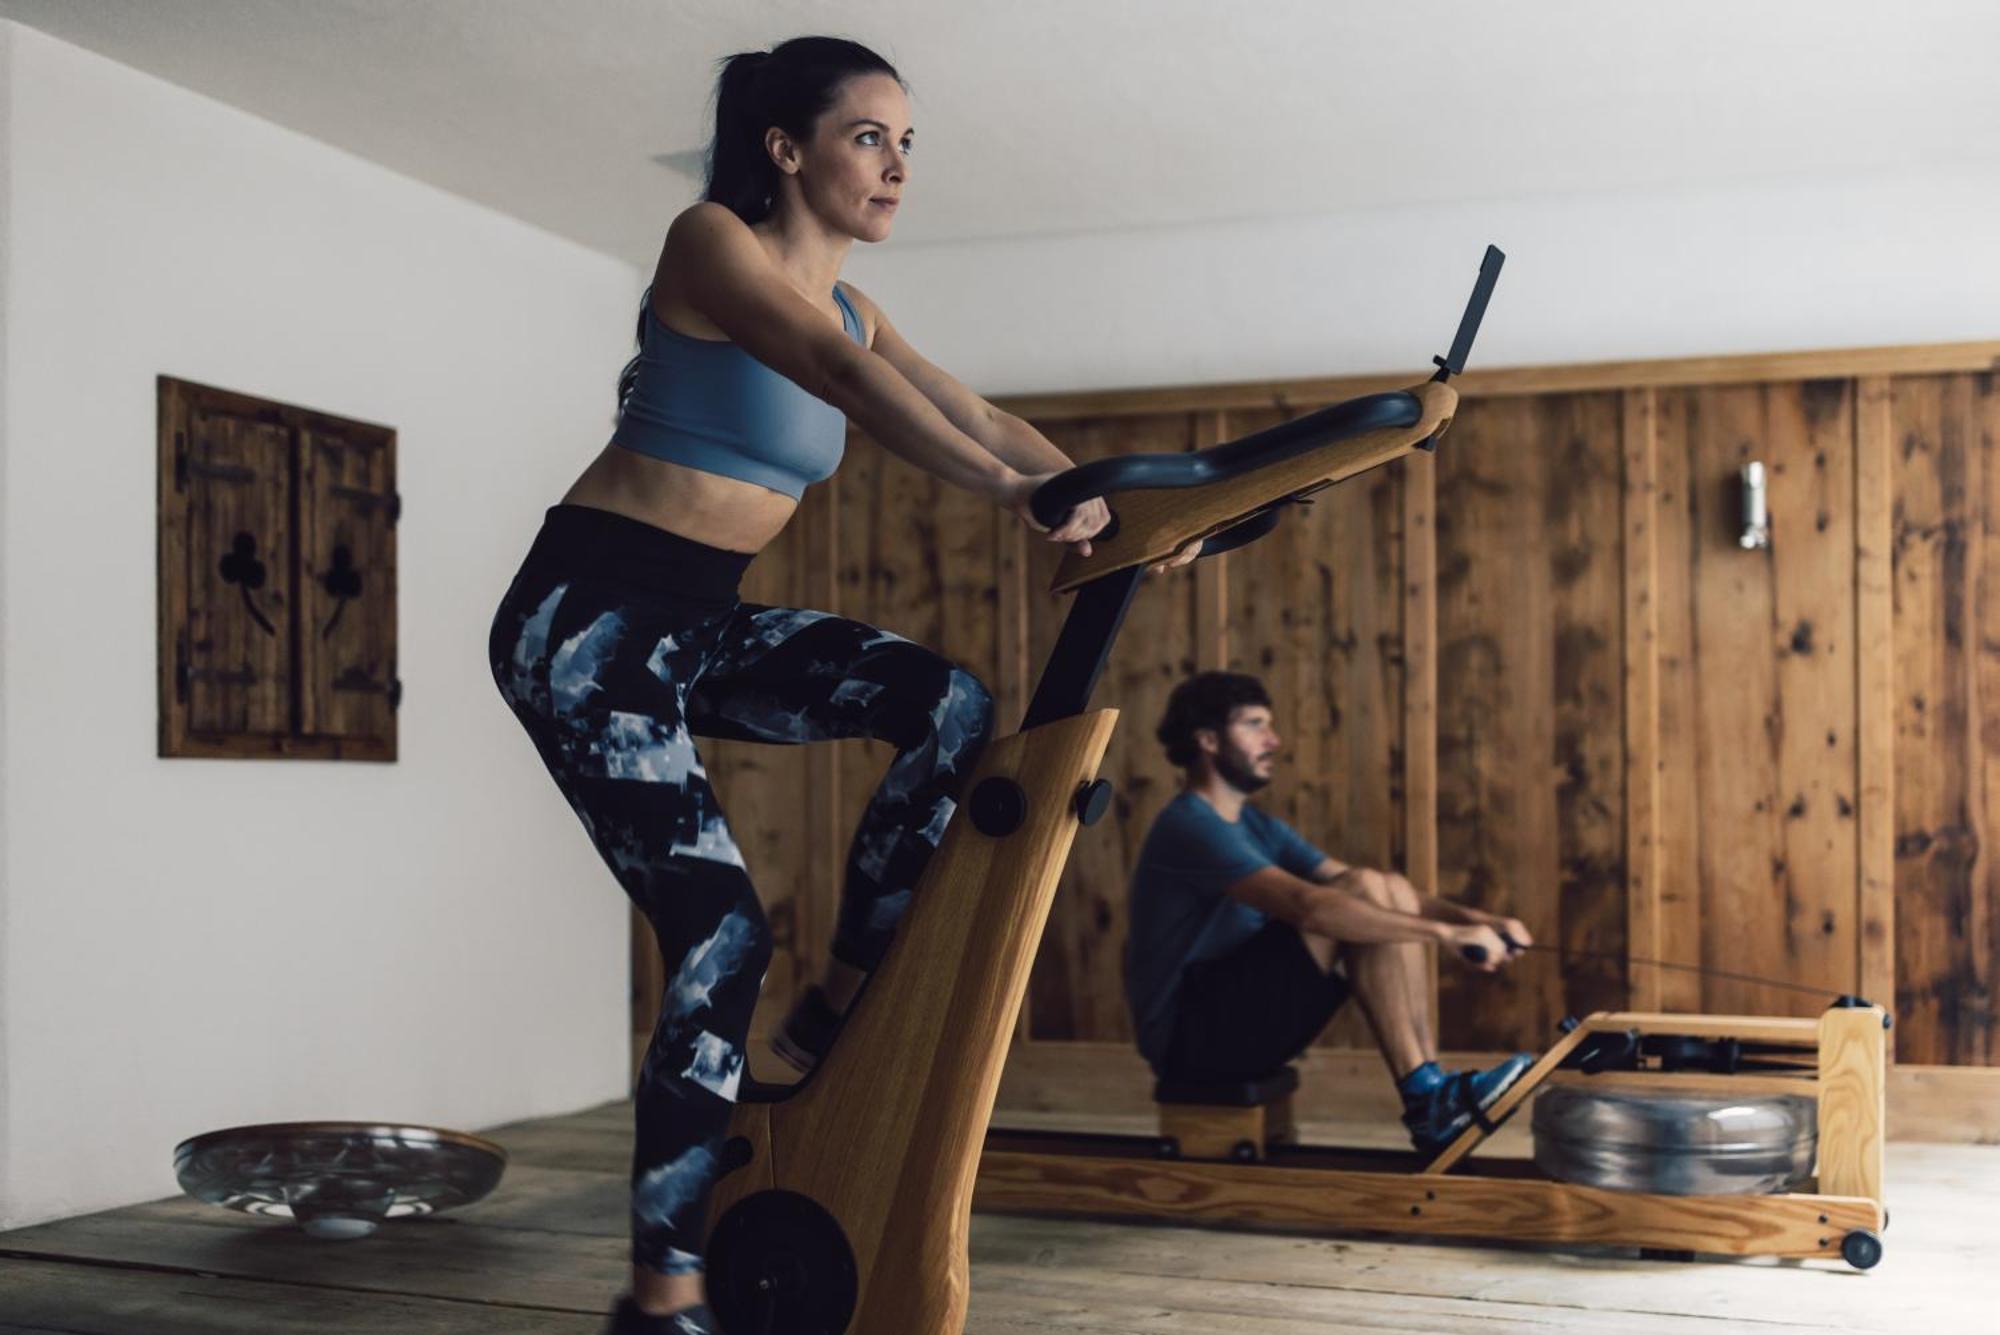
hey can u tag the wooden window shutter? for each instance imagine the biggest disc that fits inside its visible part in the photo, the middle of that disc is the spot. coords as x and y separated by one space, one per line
277 575
348 509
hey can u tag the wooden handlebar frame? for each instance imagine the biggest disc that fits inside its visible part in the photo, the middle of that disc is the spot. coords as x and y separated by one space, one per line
1156 522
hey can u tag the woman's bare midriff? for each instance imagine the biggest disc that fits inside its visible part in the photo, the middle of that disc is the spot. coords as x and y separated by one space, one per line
720 511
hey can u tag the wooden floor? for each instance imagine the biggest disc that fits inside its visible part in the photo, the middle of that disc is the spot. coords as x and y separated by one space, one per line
546 1252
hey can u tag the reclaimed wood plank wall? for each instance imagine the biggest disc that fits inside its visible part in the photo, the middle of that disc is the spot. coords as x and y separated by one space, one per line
1530 811
1942 433
1536 671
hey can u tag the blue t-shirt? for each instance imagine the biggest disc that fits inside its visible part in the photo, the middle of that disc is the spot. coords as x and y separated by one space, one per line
1181 912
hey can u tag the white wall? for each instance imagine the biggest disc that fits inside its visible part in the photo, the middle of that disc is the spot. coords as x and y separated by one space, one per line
1757 267
195 944
6 562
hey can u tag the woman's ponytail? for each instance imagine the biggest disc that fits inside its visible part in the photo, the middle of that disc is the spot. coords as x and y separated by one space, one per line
741 176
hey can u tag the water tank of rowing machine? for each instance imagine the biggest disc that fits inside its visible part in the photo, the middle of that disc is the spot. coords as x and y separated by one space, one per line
1675 1144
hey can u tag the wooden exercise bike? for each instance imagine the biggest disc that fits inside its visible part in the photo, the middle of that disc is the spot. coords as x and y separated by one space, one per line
846 1199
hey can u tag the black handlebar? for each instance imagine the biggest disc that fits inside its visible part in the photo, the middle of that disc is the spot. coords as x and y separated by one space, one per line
1241 534
1054 499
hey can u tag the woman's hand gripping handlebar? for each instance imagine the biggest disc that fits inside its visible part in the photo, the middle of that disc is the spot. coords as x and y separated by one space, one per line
1075 525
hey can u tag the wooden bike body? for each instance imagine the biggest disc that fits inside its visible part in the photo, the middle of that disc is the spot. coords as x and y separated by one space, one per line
884 1136
846 1199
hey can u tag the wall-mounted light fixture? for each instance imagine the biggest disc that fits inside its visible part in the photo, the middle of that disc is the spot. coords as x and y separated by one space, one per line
1756 518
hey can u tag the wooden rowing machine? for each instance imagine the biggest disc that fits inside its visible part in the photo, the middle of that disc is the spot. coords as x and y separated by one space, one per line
1838 1059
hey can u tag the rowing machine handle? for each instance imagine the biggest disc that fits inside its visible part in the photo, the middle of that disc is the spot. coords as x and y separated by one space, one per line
1477 954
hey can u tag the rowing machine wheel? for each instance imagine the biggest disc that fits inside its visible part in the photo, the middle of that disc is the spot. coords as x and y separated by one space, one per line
1860 1248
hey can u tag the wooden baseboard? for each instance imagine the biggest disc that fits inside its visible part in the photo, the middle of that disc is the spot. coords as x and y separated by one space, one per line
1957 1105
1951 1104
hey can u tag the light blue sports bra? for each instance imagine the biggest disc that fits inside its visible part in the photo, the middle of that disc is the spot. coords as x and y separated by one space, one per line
707 404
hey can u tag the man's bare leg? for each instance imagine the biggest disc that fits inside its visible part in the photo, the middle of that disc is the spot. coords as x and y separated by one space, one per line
1390 980
1417 977
1392 983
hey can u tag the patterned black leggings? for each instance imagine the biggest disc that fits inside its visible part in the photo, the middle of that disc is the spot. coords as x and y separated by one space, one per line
613 681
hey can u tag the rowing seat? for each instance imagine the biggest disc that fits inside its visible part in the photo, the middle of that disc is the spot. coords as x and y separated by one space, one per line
1233 1119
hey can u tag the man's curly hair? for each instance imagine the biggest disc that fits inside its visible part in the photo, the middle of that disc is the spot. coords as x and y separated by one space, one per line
1205 700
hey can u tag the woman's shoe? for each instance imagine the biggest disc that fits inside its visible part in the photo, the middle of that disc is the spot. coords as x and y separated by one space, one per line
808 1031
627 1319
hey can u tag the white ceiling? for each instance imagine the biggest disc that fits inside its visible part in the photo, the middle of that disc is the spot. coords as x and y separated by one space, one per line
1042 116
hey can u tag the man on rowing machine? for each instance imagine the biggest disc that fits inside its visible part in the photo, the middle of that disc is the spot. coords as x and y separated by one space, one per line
1245 938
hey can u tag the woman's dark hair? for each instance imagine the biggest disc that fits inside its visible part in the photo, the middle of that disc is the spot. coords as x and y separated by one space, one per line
1205 700
790 86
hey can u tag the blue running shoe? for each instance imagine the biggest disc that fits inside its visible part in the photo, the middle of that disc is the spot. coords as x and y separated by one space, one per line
1439 1114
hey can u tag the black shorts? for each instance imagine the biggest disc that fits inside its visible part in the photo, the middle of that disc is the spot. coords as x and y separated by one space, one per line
1244 1015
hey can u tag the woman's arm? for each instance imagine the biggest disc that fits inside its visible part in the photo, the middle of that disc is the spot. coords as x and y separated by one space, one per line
1001 434
1008 438
726 275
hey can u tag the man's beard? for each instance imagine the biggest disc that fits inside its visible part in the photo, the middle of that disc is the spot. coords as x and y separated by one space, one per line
1243 779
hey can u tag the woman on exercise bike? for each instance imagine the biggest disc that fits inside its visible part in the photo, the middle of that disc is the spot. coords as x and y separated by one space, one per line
622 638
